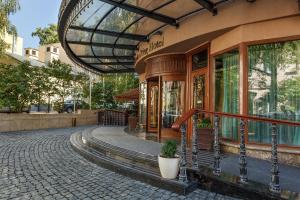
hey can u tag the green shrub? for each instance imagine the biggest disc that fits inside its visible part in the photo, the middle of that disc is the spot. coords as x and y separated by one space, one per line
204 123
168 149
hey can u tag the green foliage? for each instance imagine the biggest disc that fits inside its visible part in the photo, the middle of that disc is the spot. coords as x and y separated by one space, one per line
288 93
7 7
22 84
204 123
15 86
111 84
47 35
169 149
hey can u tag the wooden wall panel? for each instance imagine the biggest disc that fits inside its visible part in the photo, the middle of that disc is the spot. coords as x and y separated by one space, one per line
166 65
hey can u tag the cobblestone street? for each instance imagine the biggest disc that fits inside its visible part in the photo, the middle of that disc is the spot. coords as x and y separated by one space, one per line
42 165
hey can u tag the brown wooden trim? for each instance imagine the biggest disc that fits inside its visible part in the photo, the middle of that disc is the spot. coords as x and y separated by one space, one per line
244 84
189 82
193 111
236 46
198 49
176 77
166 65
159 108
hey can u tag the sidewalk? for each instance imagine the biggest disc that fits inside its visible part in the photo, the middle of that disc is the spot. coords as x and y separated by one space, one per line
258 170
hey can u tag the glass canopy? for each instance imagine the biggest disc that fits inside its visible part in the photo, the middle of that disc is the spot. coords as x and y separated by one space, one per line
103 35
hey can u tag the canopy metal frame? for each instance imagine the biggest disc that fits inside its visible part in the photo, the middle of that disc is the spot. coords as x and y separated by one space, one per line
72 9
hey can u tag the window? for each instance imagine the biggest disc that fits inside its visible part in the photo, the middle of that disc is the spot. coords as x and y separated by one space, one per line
172 102
33 52
27 52
199 60
55 50
227 91
48 49
274 90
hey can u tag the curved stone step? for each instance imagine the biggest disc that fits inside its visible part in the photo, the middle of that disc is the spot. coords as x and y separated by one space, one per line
125 155
127 169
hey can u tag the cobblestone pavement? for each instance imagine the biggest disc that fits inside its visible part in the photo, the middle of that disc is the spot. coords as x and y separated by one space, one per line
42 165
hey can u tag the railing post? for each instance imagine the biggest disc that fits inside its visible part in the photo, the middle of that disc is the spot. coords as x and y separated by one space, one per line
274 184
242 159
183 162
195 139
217 168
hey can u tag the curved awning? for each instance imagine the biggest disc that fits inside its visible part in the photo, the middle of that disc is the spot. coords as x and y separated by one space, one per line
103 35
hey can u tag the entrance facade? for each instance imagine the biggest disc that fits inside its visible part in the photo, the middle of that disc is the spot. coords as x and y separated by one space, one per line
231 57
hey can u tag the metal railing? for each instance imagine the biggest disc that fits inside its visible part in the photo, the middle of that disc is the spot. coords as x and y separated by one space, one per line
181 123
112 118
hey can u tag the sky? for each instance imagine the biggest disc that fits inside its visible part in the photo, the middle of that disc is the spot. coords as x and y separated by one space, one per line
34 14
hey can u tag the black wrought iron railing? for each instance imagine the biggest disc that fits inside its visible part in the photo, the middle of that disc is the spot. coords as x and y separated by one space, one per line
112 118
181 123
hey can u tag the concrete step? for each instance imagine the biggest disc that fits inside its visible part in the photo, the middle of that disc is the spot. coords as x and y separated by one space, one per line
130 157
133 171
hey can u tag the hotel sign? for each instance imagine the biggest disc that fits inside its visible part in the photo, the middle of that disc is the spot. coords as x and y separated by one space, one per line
146 49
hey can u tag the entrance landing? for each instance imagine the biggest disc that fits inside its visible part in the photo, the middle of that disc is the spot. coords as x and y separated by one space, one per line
258 170
116 136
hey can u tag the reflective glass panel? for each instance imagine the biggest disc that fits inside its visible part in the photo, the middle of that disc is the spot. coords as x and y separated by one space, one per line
143 103
172 102
91 15
227 91
199 91
274 90
199 60
154 106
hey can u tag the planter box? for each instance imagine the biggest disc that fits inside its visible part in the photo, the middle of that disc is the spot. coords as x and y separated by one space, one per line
132 122
205 138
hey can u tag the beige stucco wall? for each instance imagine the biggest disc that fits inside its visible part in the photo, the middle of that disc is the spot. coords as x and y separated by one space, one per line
202 27
20 122
267 30
285 155
15 44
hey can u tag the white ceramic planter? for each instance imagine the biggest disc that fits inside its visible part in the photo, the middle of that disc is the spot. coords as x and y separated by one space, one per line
168 167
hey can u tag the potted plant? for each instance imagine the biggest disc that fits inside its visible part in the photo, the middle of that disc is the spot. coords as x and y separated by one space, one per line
205 132
132 121
168 161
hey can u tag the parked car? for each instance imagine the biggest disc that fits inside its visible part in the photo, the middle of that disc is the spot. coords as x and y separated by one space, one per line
69 105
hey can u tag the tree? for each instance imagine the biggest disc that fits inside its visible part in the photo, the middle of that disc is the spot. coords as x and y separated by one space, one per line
15 86
61 79
40 85
7 7
47 35
112 84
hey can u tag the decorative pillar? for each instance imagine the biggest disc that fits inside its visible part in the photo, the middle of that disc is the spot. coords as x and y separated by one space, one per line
183 162
242 159
274 183
195 139
217 168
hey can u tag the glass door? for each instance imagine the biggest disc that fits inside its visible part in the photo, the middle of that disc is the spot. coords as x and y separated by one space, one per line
153 93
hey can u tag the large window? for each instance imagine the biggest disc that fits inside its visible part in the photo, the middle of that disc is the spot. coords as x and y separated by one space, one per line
274 90
227 91
172 102
143 103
